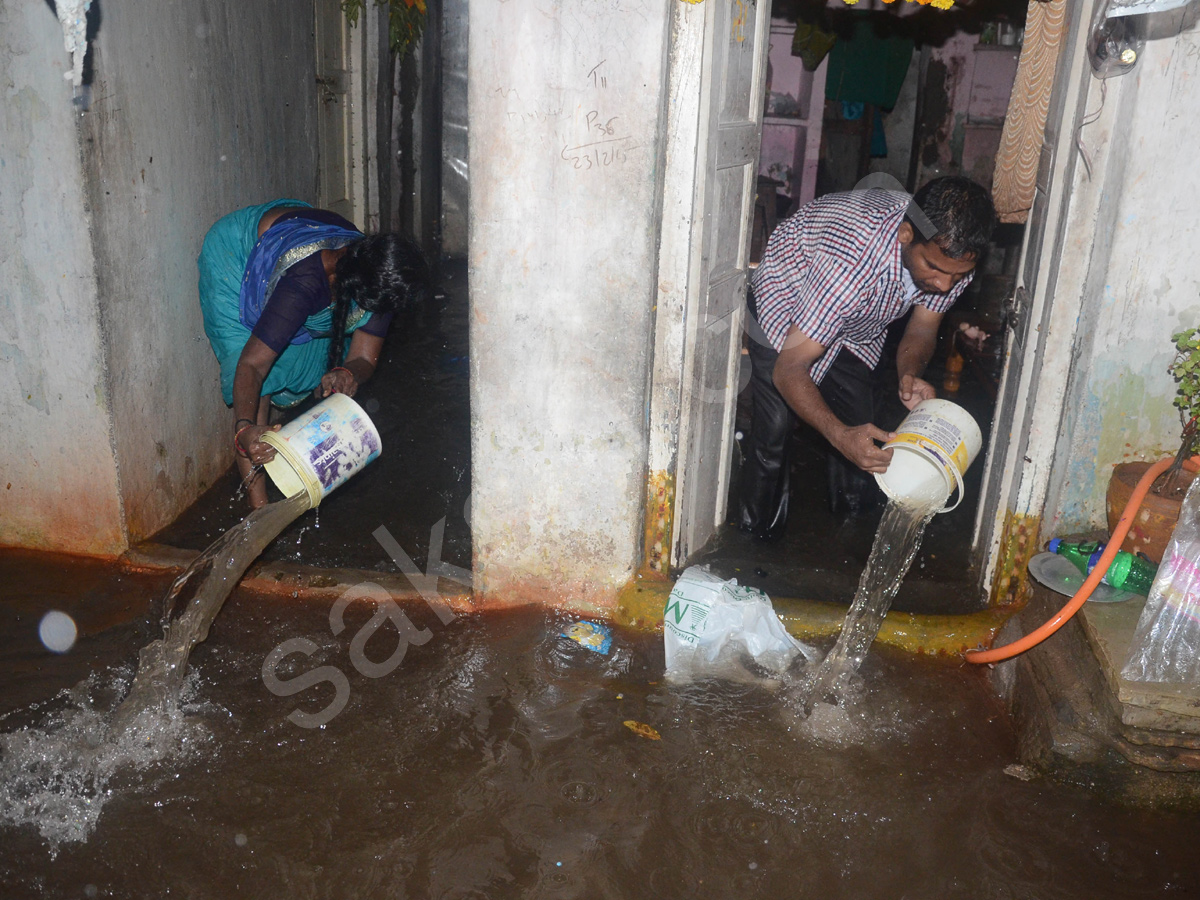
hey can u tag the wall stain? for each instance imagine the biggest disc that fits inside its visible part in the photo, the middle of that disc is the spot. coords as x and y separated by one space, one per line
30 377
1018 545
659 522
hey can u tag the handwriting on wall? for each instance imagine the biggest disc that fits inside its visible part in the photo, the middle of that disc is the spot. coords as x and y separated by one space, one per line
604 145
599 140
591 137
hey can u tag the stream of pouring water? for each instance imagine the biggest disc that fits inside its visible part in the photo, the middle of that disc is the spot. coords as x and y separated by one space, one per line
896 544
162 664
57 777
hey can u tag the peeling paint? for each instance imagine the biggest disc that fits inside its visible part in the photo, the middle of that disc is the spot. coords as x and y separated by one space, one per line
1018 545
659 522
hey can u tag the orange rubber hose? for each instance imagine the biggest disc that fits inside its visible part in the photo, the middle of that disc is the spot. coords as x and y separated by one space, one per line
997 654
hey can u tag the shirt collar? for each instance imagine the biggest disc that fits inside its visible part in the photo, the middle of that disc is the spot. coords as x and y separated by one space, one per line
896 270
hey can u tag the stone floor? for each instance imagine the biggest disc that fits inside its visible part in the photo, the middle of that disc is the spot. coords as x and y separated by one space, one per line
1160 715
1080 722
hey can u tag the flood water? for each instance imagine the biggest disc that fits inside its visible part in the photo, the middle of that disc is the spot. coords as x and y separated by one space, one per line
493 761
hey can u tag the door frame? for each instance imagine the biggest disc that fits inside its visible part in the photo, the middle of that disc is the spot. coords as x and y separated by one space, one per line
360 45
682 276
1039 348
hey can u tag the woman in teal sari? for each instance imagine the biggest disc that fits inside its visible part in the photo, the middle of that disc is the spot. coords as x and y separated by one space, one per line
296 301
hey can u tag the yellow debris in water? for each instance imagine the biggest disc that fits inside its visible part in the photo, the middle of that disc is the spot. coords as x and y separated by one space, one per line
641 729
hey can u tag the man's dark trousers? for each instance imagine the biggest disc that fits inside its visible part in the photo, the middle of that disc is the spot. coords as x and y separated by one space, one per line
849 390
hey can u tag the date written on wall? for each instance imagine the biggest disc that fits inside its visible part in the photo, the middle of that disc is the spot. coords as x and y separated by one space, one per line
604 146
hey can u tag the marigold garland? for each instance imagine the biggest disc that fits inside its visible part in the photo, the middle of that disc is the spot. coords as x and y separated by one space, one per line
936 4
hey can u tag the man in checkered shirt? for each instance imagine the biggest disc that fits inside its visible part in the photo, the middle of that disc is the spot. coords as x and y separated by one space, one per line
832 278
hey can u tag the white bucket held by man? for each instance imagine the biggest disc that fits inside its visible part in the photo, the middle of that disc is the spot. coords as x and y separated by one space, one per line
321 449
933 448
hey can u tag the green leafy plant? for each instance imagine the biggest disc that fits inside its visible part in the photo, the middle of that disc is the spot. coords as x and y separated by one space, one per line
1185 369
406 19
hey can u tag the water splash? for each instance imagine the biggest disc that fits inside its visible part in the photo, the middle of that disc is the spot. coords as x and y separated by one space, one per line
162 663
57 777
896 543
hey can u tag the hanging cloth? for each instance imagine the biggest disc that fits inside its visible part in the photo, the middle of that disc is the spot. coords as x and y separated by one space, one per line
1025 124
870 66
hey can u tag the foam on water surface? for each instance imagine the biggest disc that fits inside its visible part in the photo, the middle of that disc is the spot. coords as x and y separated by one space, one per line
59 775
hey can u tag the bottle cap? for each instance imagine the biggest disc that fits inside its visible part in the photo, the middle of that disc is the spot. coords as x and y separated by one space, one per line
1054 544
1118 570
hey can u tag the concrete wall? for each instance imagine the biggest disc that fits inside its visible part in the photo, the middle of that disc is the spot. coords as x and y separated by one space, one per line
898 126
966 91
565 103
57 475
1144 286
197 109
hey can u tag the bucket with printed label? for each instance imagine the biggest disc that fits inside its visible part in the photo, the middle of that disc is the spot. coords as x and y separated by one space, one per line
320 450
933 448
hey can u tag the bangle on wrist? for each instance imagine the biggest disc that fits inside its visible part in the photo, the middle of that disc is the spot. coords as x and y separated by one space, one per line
347 371
240 421
237 445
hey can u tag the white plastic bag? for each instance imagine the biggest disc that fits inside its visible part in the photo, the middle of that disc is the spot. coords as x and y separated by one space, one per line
1166 644
710 623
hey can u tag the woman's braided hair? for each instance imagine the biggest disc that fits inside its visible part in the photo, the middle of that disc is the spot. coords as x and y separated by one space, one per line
381 273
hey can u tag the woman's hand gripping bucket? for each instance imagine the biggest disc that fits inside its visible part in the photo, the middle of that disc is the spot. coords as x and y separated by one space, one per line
933 448
319 451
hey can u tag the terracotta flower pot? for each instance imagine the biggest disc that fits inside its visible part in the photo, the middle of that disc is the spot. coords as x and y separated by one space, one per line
1154 522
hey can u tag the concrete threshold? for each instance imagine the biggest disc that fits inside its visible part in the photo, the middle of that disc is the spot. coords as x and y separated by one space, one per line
641 602
639 605
1152 713
297 581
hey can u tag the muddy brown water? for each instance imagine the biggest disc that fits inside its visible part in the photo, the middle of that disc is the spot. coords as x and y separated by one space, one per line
493 762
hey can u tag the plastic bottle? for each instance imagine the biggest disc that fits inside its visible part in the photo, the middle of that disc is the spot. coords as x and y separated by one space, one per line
1126 572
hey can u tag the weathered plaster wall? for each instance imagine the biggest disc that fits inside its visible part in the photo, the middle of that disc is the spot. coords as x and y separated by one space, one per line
565 104
58 482
966 90
898 126
197 109
1144 288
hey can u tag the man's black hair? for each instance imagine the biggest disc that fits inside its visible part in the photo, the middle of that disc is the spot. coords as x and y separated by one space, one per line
960 212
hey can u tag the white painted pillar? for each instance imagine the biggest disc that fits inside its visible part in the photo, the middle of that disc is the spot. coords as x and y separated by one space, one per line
58 473
566 104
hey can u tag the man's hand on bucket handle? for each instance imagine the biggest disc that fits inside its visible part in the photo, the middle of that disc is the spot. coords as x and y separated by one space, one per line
857 444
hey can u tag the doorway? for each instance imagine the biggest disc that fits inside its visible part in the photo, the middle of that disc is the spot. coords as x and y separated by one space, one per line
934 103
371 142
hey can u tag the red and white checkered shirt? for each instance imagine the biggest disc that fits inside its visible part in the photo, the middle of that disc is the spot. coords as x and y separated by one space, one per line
834 271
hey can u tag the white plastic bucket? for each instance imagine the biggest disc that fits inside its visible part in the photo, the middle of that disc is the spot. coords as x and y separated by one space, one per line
320 450
933 448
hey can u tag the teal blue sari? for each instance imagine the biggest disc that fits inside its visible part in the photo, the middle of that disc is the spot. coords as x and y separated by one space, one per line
231 297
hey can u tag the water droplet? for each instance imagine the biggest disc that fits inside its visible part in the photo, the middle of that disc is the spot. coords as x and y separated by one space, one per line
57 631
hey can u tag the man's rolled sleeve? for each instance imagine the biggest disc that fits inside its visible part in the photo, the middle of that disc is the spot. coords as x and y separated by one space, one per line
939 303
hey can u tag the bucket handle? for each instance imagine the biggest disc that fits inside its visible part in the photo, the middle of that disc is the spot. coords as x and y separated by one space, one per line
958 483
936 452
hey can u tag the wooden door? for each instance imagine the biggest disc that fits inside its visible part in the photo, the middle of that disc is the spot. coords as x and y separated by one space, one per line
732 81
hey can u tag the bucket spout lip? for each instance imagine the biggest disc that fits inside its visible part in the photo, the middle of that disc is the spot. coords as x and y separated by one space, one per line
320 449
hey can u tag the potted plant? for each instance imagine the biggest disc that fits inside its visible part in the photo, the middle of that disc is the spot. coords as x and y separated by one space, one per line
1155 521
